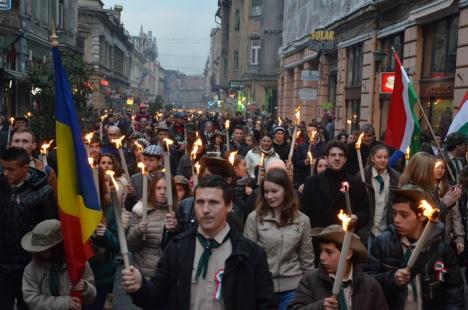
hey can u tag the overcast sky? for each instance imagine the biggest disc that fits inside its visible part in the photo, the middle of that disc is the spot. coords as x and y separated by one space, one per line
181 27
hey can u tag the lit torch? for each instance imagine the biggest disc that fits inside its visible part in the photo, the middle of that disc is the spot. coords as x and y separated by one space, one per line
101 126
432 215
311 160
358 151
123 162
226 126
232 157
12 120
297 121
144 173
348 234
407 155
88 138
44 149
349 122
167 172
118 218
280 121
345 190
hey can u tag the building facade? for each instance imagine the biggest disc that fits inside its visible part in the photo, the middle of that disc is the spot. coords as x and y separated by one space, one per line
342 65
24 39
107 47
250 32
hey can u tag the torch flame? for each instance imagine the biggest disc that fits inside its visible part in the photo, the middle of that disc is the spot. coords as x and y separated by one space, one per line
168 143
12 120
45 146
91 161
197 167
280 121
103 117
297 116
428 211
349 121
111 173
345 220
344 187
232 156
358 143
298 133
195 147
309 155
118 142
142 167
227 124
88 137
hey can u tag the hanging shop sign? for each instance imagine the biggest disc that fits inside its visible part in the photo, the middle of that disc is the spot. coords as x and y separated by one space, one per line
236 84
387 81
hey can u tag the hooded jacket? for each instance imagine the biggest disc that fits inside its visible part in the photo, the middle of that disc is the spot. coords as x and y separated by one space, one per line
21 209
441 289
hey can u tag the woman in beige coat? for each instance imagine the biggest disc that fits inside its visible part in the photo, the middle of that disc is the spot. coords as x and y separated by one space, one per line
46 285
284 233
145 238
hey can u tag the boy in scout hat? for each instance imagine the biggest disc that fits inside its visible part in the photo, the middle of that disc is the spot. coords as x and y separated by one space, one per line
434 281
46 284
359 291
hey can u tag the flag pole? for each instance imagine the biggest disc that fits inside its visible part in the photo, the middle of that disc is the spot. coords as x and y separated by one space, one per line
53 37
432 132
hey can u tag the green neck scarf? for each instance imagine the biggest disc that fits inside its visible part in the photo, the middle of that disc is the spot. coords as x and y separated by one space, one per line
208 245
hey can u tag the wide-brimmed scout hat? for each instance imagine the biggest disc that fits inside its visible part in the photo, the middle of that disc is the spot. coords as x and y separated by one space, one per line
213 159
180 179
414 193
335 233
45 235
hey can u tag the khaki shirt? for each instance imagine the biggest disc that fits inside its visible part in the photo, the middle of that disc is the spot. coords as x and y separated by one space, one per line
381 200
206 293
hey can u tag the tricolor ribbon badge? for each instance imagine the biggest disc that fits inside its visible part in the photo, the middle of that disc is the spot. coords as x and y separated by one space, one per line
217 295
440 270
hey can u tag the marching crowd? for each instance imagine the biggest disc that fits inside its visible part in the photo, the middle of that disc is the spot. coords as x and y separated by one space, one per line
253 222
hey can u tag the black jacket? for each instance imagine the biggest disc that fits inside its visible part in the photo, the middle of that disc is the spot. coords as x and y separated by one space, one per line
386 256
21 210
282 149
322 199
246 283
316 285
301 170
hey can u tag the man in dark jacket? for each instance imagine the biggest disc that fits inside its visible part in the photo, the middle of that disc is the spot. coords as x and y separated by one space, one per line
358 290
280 145
25 200
210 266
322 199
434 282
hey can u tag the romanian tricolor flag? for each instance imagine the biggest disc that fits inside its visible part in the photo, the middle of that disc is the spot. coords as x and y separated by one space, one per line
80 212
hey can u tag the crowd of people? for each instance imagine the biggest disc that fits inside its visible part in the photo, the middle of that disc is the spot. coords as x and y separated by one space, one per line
251 222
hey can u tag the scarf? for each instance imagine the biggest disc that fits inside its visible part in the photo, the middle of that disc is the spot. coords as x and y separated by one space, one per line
208 245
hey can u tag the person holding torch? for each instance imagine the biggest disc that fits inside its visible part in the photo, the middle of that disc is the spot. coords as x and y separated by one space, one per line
410 260
359 290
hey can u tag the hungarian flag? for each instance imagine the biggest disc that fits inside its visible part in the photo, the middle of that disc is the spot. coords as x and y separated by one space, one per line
80 212
403 128
460 122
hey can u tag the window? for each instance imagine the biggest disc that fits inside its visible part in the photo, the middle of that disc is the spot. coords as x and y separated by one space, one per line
237 20
440 48
60 23
256 9
254 51
396 41
354 65
236 60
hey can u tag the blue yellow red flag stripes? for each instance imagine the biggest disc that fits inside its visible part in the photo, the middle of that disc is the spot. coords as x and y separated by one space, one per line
80 212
